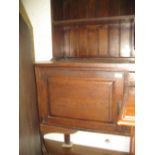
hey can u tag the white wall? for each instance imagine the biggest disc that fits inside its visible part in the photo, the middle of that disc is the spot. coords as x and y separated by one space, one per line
39 15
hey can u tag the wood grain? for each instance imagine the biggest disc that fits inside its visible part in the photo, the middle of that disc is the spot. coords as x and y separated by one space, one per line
103 41
92 41
114 40
83 42
125 39
73 9
95 42
80 97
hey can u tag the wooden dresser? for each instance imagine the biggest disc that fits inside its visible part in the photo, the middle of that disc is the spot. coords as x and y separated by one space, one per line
83 86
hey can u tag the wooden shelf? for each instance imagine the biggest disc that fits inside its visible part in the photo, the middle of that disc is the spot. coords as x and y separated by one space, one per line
107 64
94 20
96 60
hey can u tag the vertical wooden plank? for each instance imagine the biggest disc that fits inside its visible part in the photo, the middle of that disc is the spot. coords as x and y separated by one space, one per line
73 9
74 49
123 7
125 44
114 40
66 9
92 41
83 42
103 40
127 7
132 7
66 42
57 7
91 12
82 8
102 9
114 6
57 41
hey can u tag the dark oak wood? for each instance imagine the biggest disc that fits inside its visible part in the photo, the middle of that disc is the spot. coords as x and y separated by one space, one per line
71 9
81 95
93 28
83 86
55 129
109 39
67 139
90 63
29 135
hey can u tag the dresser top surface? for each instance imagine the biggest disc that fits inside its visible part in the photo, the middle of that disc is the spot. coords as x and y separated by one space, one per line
117 63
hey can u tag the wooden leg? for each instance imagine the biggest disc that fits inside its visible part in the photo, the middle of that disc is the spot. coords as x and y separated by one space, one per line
67 138
132 141
67 142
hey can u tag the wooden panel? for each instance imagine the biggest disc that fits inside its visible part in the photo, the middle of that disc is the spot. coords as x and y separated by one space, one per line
58 41
29 136
57 9
92 41
121 7
127 7
74 42
74 96
114 40
91 12
132 6
66 9
103 40
125 36
82 7
44 128
114 7
66 49
80 98
83 42
74 38
76 9
102 9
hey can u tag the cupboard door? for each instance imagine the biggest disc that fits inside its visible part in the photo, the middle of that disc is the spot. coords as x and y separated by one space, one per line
79 98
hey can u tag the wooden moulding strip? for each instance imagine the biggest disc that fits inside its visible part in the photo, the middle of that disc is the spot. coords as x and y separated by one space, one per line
104 19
